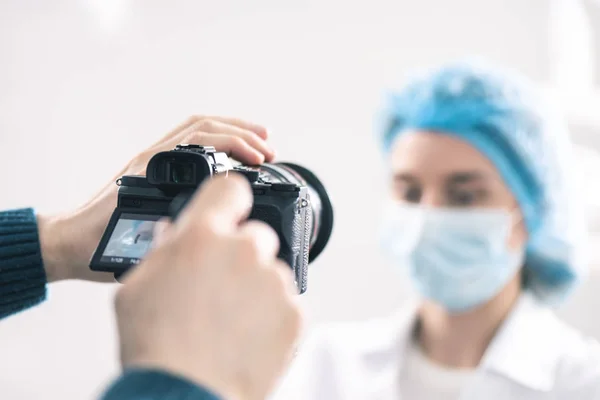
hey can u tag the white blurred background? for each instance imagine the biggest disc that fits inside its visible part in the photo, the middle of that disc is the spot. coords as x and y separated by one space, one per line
86 84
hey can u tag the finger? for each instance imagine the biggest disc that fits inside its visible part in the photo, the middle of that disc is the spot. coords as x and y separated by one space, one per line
260 130
235 147
231 144
222 202
254 150
262 239
218 127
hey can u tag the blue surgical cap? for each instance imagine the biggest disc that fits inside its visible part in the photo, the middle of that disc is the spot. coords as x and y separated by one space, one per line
501 114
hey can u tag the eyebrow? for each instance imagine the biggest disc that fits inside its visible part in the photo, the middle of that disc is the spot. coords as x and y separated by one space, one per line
404 177
456 178
466 177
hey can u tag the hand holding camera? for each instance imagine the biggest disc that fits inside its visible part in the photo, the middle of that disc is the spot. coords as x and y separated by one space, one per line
212 303
288 197
69 240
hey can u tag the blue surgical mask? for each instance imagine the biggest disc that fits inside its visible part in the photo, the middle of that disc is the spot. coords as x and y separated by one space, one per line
457 258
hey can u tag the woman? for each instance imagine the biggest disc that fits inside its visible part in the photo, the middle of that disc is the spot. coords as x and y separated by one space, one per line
483 219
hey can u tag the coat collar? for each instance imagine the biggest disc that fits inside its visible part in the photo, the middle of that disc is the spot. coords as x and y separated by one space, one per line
525 350
527 347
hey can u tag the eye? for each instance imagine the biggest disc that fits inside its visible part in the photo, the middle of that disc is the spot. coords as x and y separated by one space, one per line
463 198
409 193
407 188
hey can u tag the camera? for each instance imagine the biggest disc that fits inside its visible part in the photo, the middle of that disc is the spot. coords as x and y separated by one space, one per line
286 196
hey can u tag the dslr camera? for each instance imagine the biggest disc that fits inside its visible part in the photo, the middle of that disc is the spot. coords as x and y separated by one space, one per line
288 197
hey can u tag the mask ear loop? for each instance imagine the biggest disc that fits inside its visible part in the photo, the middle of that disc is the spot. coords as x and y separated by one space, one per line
517 217
520 219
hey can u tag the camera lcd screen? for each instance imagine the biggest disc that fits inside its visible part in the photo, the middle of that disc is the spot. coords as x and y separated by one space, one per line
131 239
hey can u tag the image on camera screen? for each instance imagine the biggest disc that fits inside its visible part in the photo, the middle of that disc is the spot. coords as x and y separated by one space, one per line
131 239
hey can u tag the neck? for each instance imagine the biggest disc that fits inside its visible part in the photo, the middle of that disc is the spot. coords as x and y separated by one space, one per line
460 340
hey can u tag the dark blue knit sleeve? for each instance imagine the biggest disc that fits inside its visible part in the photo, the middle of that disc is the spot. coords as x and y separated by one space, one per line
22 274
141 384
23 285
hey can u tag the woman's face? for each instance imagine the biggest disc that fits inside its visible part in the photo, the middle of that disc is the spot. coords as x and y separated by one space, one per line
439 170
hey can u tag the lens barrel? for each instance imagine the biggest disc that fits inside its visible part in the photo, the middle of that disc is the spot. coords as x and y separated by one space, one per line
322 209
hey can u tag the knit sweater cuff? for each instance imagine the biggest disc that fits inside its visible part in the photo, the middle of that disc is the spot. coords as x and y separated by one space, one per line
141 384
22 274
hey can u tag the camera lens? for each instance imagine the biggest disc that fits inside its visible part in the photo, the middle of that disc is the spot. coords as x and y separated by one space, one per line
180 172
322 210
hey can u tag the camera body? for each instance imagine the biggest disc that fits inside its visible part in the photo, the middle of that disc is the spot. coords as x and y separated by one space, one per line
280 199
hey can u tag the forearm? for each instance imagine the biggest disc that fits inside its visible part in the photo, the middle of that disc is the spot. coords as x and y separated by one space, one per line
23 280
22 275
145 384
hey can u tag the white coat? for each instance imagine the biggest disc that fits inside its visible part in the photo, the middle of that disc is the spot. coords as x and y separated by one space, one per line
533 356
